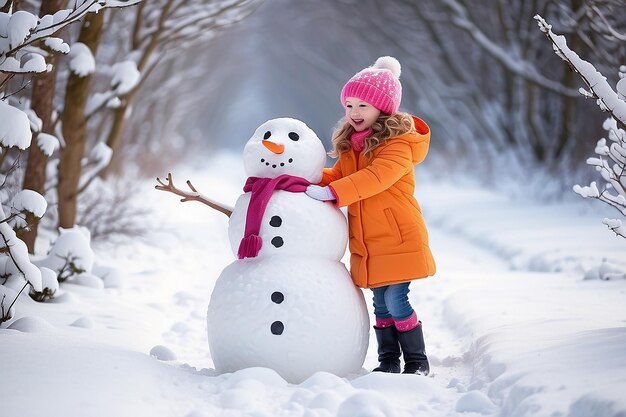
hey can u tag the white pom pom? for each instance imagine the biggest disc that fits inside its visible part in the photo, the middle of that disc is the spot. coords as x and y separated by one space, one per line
390 63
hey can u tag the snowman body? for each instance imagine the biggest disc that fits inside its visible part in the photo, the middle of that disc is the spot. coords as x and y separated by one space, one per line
293 307
294 224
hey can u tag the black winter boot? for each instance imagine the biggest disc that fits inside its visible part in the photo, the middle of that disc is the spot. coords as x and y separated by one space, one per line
412 344
388 350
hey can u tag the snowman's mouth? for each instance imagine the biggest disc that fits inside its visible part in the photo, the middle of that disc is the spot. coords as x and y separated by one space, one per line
275 165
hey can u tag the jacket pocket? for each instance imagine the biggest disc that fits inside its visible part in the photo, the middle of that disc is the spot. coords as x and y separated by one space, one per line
393 224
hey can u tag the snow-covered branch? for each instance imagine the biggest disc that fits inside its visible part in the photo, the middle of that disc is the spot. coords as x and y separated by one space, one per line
611 160
599 88
22 28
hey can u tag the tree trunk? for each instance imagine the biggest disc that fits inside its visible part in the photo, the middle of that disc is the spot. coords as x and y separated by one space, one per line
15 4
43 95
74 126
115 135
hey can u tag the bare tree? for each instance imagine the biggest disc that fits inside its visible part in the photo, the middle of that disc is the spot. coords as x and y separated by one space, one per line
161 28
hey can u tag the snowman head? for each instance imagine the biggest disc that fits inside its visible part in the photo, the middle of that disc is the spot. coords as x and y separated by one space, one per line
284 146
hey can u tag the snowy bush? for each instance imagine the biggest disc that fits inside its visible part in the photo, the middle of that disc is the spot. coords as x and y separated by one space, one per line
17 271
70 254
611 160
50 285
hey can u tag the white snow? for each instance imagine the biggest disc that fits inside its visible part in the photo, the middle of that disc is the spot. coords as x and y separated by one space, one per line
57 44
31 325
30 201
126 76
512 328
20 26
72 245
49 280
34 63
162 353
47 143
82 61
14 127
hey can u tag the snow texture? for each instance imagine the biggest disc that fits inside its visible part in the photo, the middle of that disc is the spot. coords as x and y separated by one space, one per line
295 315
71 245
47 143
508 315
14 127
57 44
49 280
126 76
82 62
30 201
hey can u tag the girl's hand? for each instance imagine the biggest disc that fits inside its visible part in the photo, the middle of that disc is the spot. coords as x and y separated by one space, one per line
320 193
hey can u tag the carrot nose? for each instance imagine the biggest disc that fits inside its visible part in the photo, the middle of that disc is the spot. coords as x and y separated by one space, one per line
274 147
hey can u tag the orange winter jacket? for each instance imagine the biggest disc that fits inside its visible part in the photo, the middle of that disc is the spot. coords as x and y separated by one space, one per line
388 237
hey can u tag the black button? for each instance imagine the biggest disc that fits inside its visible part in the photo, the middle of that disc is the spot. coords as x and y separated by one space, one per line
276 221
267 135
277 328
294 136
277 241
278 297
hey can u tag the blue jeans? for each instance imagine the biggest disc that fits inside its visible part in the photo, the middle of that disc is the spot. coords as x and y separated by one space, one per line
392 301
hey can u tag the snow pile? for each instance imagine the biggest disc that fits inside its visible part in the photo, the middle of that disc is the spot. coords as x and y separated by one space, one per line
70 254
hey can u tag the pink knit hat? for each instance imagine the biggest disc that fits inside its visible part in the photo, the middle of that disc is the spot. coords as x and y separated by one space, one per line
379 85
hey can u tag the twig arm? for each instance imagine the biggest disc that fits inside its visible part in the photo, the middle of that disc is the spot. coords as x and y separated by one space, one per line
194 195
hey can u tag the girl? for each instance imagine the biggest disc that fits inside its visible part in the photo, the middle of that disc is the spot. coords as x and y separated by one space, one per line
377 147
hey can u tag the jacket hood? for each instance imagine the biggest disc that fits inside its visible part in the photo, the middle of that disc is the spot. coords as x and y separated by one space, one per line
417 140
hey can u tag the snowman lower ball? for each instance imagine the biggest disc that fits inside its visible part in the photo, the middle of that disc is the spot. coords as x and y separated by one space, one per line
297 316
289 304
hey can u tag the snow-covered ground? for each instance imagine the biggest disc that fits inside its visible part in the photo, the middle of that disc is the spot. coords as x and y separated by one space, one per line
512 327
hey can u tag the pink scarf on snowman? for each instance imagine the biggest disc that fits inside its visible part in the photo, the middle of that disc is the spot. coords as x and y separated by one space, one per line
262 189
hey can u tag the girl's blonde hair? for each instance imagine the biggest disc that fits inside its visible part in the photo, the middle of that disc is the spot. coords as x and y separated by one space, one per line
384 128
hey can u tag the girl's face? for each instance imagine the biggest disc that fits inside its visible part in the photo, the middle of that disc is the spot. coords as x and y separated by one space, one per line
360 114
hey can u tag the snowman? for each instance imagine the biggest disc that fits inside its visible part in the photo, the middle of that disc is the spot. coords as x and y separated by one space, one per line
287 303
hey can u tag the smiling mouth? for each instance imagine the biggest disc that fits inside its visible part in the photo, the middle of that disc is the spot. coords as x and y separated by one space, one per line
275 165
357 121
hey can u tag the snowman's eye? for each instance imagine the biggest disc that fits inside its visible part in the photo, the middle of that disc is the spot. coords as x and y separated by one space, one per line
294 136
267 135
